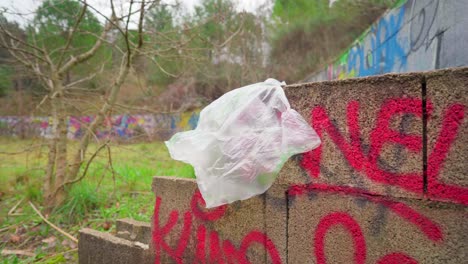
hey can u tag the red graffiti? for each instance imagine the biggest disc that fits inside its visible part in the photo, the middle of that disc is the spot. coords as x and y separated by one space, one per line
351 226
215 250
230 252
223 253
209 246
201 235
159 234
212 215
453 118
381 135
428 227
397 258
262 239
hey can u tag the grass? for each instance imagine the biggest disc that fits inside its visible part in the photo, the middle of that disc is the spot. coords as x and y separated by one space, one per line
95 202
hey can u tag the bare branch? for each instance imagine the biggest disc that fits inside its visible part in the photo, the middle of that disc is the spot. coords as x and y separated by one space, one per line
85 170
140 24
88 78
72 238
23 51
13 37
111 166
232 36
161 68
71 33
73 61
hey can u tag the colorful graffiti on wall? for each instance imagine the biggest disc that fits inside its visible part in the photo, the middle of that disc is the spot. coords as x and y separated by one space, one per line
382 134
416 35
219 251
354 204
387 172
157 126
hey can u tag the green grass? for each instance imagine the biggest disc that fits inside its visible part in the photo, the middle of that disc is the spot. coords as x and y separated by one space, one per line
95 202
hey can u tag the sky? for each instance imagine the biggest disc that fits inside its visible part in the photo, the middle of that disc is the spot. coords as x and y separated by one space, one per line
28 6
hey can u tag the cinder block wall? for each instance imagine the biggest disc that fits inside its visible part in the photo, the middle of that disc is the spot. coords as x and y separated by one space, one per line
387 185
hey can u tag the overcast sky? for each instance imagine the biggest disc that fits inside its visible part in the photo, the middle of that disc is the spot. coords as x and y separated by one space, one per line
28 6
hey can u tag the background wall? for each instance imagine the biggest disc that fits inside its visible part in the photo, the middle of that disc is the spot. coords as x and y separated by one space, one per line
125 127
417 35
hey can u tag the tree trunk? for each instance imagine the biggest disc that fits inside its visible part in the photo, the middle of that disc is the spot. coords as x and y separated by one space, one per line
111 99
49 181
57 164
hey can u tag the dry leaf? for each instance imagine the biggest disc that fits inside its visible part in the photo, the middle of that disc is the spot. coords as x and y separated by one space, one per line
21 230
107 225
69 244
49 240
15 239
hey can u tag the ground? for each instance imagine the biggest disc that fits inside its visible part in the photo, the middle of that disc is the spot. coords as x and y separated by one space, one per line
95 202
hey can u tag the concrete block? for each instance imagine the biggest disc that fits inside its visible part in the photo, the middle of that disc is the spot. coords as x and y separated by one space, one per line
447 135
344 225
371 131
134 230
183 230
276 215
96 247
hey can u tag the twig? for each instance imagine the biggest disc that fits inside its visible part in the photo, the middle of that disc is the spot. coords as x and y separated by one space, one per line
25 241
8 228
111 167
102 177
71 33
13 209
6 252
22 151
84 172
72 238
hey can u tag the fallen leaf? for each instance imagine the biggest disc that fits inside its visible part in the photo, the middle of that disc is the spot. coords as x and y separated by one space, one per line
35 229
49 240
107 225
6 252
15 239
21 230
117 205
70 244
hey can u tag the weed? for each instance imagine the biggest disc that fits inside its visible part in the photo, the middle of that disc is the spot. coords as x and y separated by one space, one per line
100 198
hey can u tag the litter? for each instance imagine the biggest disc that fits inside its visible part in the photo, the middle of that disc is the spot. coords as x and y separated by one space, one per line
241 142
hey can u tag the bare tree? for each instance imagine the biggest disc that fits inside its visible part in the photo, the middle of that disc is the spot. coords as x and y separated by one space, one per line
53 51
53 68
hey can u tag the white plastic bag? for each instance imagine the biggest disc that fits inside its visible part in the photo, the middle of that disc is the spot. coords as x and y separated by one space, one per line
241 142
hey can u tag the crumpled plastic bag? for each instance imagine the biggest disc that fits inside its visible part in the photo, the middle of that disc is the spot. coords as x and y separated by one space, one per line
241 142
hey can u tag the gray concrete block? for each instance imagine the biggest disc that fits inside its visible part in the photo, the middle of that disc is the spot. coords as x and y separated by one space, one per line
96 247
345 226
134 230
207 235
447 135
362 123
